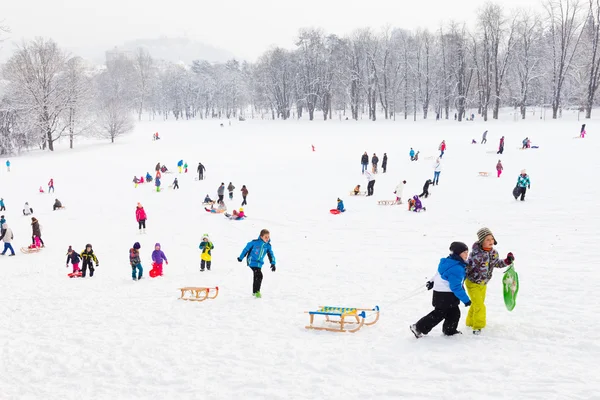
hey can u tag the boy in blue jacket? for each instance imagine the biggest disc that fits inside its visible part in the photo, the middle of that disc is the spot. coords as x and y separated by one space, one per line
448 292
340 205
255 252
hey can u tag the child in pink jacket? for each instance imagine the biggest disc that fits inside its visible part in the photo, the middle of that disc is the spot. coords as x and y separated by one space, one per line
499 168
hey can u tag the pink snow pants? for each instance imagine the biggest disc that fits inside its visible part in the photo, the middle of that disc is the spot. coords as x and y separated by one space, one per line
499 173
76 268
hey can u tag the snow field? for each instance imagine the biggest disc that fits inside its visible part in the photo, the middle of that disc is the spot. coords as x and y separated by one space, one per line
111 337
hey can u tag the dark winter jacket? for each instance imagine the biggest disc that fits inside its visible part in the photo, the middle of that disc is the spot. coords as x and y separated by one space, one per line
35 227
230 188
375 160
74 258
244 191
256 251
157 168
364 159
57 204
201 168
89 256
481 264
426 185
384 163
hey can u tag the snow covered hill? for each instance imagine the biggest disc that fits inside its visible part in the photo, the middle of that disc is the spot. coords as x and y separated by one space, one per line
111 337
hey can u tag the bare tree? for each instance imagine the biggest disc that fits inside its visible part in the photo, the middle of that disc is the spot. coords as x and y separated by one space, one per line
114 119
564 25
33 71
592 33
79 94
527 58
143 64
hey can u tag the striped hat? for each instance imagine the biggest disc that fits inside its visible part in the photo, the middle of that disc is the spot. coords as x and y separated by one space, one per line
483 233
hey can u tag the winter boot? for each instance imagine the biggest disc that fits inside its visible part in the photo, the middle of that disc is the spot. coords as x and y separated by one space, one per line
415 331
476 331
257 295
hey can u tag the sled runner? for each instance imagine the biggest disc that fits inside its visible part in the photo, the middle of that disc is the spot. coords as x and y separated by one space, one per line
27 250
359 318
387 202
361 193
484 174
510 287
198 293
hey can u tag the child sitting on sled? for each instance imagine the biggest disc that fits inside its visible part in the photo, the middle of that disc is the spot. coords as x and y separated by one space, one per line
37 243
208 200
221 208
415 204
237 215
357 190
340 205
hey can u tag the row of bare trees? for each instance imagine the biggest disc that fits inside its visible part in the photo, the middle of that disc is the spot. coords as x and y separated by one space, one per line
519 59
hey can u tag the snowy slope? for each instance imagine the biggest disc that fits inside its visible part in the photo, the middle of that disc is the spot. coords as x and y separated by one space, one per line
110 337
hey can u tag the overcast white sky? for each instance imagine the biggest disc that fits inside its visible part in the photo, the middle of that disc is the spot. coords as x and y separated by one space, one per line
244 27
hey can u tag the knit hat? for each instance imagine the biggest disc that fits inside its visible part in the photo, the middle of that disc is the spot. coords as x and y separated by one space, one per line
136 245
339 200
70 249
482 233
157 244
458 248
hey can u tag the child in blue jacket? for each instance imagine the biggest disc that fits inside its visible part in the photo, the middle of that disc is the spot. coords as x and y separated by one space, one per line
448 292
340 206
255 252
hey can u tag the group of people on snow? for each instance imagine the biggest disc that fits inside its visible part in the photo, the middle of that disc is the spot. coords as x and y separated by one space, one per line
364 161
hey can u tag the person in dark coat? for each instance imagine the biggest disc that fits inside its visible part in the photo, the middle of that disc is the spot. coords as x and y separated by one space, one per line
57 205
375 161
244 195
426 188
36 231
364 161
501 146
200 171
157 168
384 163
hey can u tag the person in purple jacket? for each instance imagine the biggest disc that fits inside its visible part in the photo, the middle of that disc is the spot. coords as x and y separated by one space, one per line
157 259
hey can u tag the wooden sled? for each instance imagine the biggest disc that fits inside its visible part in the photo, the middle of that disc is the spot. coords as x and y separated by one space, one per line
210 203
361 193
484 174
358 318
387 202
198 293
27 250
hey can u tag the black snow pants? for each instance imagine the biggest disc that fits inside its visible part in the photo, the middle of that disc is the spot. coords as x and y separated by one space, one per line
87 263
205 264
370 188
257 281
445 309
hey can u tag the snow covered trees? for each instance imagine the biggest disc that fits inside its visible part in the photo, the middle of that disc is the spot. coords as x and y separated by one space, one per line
33 72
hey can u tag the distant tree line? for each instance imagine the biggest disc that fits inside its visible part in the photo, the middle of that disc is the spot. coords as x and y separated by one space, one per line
518 59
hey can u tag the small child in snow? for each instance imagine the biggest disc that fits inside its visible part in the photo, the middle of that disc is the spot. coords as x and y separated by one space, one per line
208 200
185 167
480 265
415 204
357 190
255 252
206 258
340 205
499 168
157 260
134 261
175 184
74 258
88 258
157 183
136 181
220 209
448 292
37 243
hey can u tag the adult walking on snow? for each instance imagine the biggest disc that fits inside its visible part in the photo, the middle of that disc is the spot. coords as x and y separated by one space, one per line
442 148
36 231
437 169
364 161
200 171
221 191
399 190
230 189
51 185
501 146
484 138
375 161
523 183
499 168
384 162
371 184
426 188
244 195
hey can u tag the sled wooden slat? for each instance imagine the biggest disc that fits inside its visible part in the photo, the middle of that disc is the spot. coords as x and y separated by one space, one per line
198 293
358 318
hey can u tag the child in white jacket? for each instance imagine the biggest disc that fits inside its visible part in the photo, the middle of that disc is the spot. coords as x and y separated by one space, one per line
398 191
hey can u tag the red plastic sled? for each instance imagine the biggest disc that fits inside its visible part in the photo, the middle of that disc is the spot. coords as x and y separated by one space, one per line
335 211
74 274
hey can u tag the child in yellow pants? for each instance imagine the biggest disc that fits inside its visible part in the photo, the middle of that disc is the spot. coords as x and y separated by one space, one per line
480 265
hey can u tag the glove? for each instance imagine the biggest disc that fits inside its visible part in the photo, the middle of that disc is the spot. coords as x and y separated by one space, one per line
509 259
273 267
529 187
97 265
468 303
239 260
429 285
67 266
166 262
